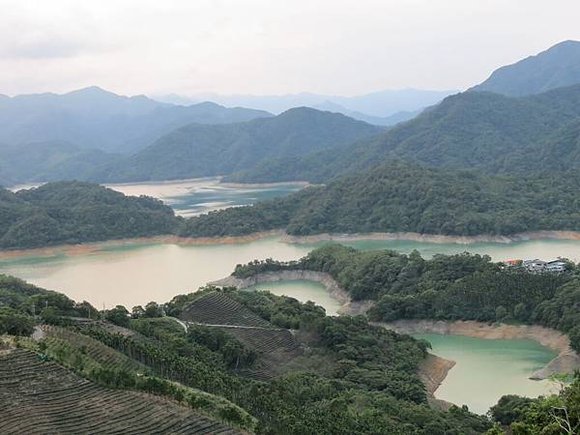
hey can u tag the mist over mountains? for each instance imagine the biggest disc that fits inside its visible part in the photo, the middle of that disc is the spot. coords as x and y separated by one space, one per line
95 135
95 118
379 108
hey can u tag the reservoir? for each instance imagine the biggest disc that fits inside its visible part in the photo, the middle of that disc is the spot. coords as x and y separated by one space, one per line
486 369
135 273
131 274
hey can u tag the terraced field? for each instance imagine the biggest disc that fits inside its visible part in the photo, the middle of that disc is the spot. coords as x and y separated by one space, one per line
218 309
39 397
104 355
276 347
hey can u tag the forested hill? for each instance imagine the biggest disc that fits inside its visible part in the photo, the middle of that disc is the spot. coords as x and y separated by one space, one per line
74 212
486 131
204 150
402 197
559 66
328 375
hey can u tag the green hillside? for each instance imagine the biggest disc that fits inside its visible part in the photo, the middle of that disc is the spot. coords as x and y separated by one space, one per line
446 287
205 150
473 130
557 67
341 375
407 198
75 212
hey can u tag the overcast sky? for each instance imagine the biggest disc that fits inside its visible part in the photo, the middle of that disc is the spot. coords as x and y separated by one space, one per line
341 47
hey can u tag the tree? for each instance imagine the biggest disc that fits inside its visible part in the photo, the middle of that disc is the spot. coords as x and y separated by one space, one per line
14 323
152 309
137 312
574 336
118 315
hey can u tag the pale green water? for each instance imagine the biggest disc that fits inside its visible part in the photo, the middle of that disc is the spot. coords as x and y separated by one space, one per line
485 370
136 274
202 195
303 291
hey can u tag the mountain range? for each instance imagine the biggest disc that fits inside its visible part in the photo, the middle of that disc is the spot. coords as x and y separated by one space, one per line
473 130
198 150
508 124
557 67
95 118
383 108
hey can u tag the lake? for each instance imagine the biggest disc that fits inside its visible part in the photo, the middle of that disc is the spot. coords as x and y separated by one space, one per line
486 369
202 195
136 273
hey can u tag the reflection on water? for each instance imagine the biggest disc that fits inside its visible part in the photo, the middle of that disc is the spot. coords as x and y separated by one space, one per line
485 369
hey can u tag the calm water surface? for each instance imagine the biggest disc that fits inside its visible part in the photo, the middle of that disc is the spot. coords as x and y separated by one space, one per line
135 274
485 370
303 291
202 195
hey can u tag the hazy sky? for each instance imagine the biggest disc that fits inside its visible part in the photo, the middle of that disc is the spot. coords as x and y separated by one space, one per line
342 47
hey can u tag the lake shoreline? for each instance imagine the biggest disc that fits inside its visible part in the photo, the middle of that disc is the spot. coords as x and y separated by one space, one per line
89 247
84 248
433 238
348 306
566 360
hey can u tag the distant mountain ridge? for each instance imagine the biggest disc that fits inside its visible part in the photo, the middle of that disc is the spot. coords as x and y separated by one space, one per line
472 130
200 150
95 118
557 67
379 108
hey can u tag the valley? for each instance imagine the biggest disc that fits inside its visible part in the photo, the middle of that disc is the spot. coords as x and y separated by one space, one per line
398 261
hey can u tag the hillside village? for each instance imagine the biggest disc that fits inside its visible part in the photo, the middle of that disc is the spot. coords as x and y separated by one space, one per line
558 265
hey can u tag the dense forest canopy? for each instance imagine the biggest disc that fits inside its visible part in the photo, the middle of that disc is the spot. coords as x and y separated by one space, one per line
407 198
393 198
346 376
75 212
200 150
473 130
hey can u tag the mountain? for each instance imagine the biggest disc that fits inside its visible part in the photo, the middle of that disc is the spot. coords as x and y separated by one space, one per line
95 118
204 150
557 67
375 105
473 130
386 121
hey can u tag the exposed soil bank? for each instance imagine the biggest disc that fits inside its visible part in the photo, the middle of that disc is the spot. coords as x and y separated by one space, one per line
302 184
434 238
567 360
432 372
87 248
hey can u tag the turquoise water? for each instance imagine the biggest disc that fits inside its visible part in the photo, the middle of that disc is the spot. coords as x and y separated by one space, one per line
202 195
303 291
485 369
134 273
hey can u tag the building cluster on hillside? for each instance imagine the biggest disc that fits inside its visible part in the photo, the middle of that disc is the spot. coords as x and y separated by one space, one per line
539 266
